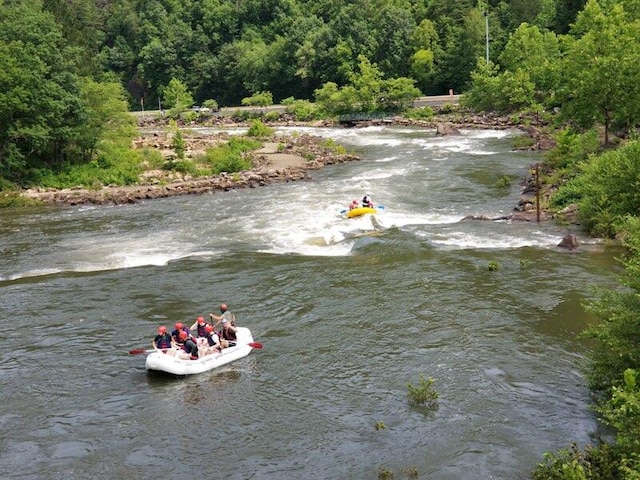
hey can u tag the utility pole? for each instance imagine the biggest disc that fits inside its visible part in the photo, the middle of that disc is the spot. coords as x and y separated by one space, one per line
486 25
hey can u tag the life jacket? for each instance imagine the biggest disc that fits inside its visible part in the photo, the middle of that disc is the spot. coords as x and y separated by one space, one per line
163 341
213 339
201 330
228 334
174 333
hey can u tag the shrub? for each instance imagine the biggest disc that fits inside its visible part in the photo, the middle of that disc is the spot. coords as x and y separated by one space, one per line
424 113
302 110
259 130
229 157
423 394
12 199
259 99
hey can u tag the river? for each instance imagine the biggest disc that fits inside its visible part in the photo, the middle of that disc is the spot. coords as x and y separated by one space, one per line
350 311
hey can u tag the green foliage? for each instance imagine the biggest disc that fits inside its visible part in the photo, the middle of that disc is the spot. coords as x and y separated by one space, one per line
605 47
524 263
178 144
259 130
609 189
423 113
271 116
622 412
259 99
151 158
367 92
572 148
385 474
618 342
114 165
493 266
503 182
229 157
211 104
423 395
183 166
41 114
594 463
13 199
302 110
380 426
176 96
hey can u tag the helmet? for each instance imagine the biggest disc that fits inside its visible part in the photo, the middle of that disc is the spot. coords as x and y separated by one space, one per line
208 328
179 325
182 335
200 319
162 329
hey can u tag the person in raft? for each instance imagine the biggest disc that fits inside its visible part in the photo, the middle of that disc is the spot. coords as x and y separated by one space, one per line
353 204
187 345
162 341
225 314
366 201
211 342
228 334
200 327
184 342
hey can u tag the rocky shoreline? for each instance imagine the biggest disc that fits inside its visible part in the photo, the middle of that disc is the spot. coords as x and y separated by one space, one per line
281 159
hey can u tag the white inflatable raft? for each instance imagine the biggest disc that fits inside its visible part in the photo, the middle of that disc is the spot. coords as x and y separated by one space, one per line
162 362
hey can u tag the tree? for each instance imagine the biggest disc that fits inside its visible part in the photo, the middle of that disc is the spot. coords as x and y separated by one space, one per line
537 54
41 114
599 83
176 95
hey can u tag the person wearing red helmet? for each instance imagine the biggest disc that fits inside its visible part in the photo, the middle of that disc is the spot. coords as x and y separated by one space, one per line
354 204
183 340
162 341
225 314
199 327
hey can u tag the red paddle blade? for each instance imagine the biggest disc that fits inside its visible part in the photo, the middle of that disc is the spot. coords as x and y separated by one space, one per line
137 351
255 345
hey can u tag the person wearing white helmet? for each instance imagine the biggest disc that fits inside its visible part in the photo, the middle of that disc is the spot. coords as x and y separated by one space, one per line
366 201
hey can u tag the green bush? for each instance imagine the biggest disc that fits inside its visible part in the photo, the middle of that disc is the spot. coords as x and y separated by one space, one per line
302 110
593 463
12 199
572 148
114 165
423 394
229 157
259 99
272 116
424 113
259 130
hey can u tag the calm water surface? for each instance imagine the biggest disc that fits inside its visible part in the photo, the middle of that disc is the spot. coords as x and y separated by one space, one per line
349 312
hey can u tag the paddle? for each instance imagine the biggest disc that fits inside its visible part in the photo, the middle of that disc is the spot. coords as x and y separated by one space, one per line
255 344
138 351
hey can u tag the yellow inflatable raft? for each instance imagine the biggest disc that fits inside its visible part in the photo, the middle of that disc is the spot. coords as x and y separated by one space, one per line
356 212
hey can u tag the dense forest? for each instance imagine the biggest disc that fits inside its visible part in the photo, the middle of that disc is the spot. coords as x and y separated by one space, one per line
68 65
72 70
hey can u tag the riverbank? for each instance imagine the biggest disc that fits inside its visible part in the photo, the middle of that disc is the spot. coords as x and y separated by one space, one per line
280 159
